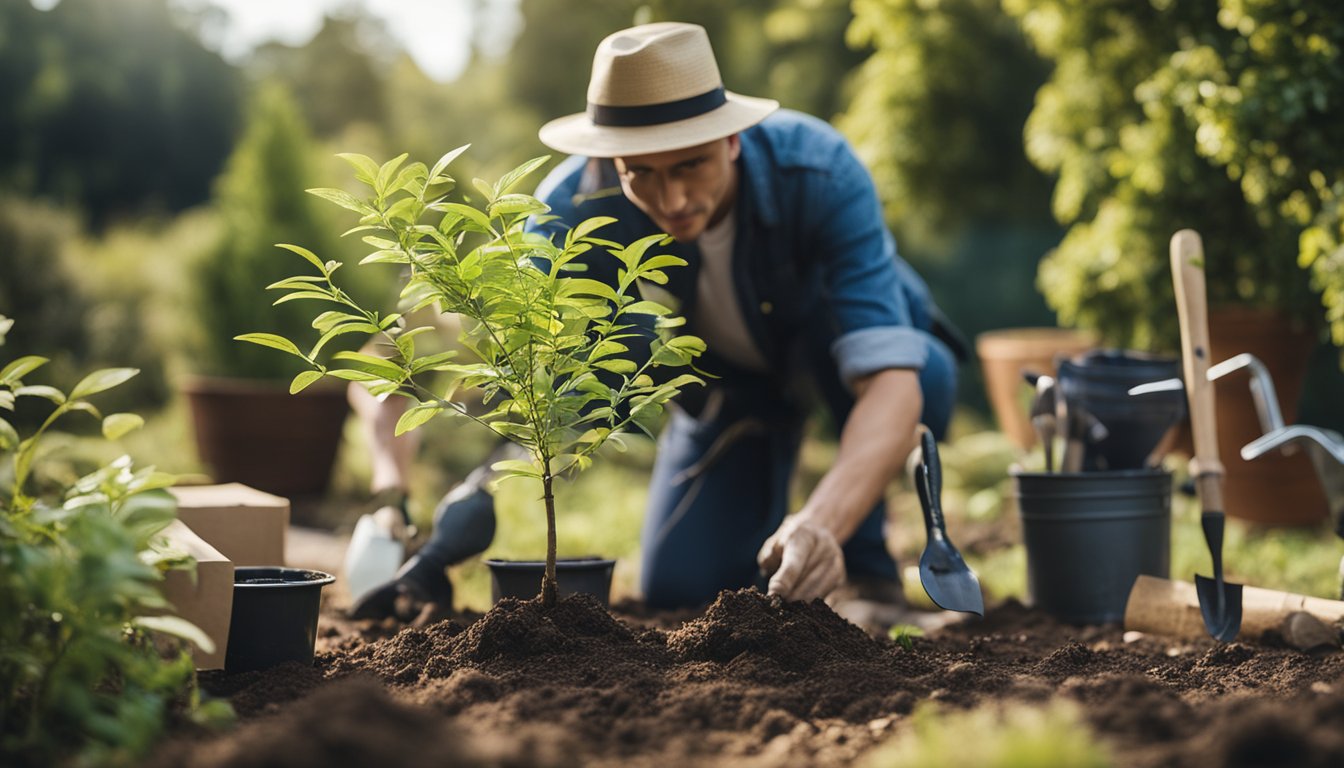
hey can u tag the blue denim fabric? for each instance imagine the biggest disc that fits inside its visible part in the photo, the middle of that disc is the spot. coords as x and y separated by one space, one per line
826 299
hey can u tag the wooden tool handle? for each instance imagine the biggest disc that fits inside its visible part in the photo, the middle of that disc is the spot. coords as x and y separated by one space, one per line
1187 273
1171 608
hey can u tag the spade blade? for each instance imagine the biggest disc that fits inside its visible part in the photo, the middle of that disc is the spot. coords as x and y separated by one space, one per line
1220 604
950 584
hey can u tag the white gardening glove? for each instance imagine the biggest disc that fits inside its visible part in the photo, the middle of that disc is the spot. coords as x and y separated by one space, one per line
804 558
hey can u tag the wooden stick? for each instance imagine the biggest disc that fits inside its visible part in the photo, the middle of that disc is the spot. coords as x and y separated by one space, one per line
1171 608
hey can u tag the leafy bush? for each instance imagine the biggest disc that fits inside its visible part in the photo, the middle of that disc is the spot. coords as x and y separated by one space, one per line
80 678
1163 115
562 359
261 202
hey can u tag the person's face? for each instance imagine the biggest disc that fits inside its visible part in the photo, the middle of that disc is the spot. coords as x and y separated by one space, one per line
683 190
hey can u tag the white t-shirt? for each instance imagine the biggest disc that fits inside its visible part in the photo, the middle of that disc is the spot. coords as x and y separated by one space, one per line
718 316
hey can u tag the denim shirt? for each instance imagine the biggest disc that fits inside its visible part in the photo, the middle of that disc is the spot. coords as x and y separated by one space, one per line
812 252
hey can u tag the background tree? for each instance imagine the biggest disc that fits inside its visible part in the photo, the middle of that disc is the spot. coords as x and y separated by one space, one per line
261 202
112 108
937 114
1117 124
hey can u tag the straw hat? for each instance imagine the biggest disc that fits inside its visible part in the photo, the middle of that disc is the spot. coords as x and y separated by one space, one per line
654 88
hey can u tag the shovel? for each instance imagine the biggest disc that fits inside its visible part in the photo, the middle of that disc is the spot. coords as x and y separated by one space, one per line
951 585
1219 602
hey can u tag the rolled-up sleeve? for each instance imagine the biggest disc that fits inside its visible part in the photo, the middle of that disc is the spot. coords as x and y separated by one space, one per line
866 293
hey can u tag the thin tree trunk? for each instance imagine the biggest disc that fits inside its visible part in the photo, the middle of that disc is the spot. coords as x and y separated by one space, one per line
548 589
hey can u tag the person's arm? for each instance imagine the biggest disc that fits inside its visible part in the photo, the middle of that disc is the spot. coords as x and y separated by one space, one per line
804 554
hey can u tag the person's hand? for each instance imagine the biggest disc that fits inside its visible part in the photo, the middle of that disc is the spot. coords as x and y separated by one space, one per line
804 558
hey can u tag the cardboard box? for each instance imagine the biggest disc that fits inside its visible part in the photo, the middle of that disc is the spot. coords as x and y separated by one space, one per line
246 525
207 601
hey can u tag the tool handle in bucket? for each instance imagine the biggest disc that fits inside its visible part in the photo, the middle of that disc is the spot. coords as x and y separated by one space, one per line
1187 272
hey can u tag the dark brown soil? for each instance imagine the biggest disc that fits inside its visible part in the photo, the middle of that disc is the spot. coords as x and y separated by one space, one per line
754 680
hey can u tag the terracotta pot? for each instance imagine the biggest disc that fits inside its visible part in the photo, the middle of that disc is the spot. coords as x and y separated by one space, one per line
1005 354
1273 489
256 433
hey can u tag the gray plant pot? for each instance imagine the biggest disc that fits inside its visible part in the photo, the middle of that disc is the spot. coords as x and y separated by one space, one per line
1088 536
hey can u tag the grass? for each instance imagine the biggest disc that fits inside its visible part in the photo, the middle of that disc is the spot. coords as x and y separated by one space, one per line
992 737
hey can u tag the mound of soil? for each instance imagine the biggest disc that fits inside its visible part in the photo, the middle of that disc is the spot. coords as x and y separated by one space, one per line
754 680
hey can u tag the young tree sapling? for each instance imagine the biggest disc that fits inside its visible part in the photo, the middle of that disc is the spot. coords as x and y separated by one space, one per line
564 362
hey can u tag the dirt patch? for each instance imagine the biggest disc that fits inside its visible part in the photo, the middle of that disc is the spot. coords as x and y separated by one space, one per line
754 680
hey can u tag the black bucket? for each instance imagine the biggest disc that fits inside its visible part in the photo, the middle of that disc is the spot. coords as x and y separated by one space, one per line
522 578
1099 383
1089 535
274 616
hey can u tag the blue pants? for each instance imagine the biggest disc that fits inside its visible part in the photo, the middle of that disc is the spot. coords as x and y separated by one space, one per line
720 485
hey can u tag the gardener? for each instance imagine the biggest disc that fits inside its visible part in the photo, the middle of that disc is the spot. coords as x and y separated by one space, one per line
794 283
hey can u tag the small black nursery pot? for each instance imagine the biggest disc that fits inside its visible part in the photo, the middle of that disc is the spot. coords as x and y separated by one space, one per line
521 579
274 616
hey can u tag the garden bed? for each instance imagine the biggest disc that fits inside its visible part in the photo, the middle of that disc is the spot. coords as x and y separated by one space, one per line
754 681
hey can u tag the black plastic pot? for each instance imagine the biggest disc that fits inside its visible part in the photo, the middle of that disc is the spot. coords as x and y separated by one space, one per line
274 616
521 579
1098 383
1089 535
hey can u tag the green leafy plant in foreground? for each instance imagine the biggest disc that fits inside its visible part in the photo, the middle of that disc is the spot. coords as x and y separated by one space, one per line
1004 736
564 362
81 680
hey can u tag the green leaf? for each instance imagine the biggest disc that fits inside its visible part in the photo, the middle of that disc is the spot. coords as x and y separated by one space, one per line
416 416
410 179
374 365
587 226
481 221
509 180
444 161
646 307
177 627
366 170
516 468
118 425
305 253
99 381
303 380
318 295
616 365
385 174
9 437
515 204
343 199
361 326
21 367
271 340
583 286
40 390
487 191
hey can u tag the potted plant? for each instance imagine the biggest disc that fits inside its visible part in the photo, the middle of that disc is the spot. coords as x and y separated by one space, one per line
563 362
248 428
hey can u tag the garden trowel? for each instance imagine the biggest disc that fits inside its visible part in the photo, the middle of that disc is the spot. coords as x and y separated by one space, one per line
951 585
1219 602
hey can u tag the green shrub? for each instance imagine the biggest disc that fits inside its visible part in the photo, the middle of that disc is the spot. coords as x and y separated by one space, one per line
82 680
261 202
